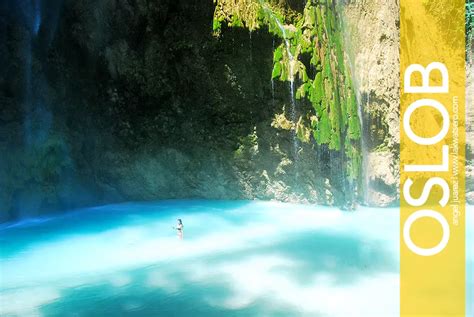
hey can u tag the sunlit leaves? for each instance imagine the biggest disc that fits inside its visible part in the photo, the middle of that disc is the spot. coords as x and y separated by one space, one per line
276 70
277 54
237 13
308 39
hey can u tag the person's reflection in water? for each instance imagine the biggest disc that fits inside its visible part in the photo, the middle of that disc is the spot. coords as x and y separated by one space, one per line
179 229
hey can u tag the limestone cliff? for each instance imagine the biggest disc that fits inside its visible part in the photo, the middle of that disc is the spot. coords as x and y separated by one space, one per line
372 42
130 100
372 37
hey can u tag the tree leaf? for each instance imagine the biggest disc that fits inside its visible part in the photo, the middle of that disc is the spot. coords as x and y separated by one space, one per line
278 54
276 70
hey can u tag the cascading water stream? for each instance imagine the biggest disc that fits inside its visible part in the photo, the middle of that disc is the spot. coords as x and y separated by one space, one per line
365 148
271 80
36 17
364 151
291 67
364 190
250 46
32 15
291 76
38 120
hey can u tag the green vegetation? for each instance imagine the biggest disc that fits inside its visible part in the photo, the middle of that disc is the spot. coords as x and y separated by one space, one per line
469 29
311 55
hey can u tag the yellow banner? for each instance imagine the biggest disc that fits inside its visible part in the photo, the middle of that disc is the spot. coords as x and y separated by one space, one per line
432 131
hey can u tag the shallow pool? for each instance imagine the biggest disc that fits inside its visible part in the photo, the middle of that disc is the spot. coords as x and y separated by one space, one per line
237 258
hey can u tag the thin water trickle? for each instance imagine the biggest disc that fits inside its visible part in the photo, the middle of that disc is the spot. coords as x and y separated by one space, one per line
250 45
364 148
290 55
273 91
291 77
36 16
33 21
271 80
346 33
37 117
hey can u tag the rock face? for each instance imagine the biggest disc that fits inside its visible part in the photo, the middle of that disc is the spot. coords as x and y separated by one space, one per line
372 42
372 38
129 100
470 130
383 176
470 112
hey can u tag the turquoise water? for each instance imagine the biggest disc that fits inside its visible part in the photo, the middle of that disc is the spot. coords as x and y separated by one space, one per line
236 259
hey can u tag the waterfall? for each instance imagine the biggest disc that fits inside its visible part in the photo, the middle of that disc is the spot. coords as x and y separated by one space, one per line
27 98
271 80
42 137
250 46
363 191
32 17
36 16
292 63
364 149
37 118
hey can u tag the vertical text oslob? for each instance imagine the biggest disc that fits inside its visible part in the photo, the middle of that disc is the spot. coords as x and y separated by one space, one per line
442 166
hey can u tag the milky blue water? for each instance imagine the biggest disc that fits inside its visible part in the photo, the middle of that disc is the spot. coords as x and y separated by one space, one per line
236 259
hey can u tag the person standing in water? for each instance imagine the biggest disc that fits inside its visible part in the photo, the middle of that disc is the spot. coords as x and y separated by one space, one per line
179 228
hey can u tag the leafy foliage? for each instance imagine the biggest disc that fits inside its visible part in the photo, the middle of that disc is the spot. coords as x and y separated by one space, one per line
469 29
312 35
